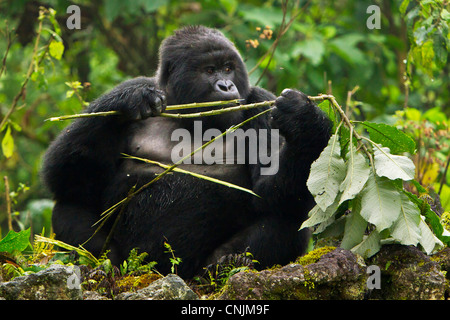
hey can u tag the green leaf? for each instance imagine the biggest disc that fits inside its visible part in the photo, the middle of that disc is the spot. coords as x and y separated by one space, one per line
406 228
355 226
369 246
15 241
445 14
346 46
357 174
56 49
390 137
431 218
440 49
428 240
327 174
313 49
318 216
404 6
393 166
435 115
380 202
8 143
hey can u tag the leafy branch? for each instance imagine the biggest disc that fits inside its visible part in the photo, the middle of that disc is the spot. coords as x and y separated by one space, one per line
368 179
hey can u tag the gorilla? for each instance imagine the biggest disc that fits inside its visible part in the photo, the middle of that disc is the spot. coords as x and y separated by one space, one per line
86 171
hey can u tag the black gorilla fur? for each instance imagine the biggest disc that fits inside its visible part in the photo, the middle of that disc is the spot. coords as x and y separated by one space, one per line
202 221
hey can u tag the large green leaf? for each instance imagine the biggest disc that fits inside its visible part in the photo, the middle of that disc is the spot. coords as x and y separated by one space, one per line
313 49
380 203
393 166
15 241
357 174
327 174
355 226
406 228
389 136
428 240
318 216
369 246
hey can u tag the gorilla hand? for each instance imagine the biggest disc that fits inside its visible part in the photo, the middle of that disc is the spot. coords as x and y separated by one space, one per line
142 101
135 99
294 114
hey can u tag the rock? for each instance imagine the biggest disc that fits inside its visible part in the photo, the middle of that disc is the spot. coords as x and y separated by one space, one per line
57 282
336 275
408 274
171 287
93 295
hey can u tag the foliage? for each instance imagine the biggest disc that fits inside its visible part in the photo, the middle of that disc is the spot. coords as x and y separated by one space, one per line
175 261
135 263
359 191
15 241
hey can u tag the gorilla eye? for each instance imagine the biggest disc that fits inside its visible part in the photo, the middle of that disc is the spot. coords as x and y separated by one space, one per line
227 69
210 70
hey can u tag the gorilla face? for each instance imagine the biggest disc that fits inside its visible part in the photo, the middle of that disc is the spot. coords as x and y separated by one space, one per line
195 70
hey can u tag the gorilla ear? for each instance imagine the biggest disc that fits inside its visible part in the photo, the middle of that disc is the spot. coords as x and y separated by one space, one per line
163 73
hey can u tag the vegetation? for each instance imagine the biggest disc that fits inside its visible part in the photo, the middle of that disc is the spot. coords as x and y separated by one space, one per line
386 90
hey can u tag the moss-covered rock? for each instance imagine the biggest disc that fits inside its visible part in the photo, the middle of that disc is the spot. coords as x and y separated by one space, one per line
408 274
335 275
57 282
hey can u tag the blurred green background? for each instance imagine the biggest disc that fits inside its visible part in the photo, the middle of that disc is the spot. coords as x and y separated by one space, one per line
396 74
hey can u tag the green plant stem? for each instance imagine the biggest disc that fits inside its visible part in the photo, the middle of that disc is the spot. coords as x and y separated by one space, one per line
188 106
346 120
168 115
197 175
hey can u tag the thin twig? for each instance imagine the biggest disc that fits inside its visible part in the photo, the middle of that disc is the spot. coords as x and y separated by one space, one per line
28 75
283 29
8 46
8 203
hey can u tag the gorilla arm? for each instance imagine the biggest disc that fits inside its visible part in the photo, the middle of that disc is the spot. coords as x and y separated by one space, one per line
84 158
285 199
305 131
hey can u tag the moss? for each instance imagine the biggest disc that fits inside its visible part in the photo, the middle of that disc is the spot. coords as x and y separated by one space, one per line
314 256
309 281
133 283
445 220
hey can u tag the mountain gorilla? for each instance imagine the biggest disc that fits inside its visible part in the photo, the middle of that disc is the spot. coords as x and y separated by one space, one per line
201 220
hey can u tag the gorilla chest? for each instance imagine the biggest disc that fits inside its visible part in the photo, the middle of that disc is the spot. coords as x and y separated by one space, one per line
165 141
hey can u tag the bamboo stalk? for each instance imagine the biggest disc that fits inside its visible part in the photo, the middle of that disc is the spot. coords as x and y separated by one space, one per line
169 108
197 175
194 105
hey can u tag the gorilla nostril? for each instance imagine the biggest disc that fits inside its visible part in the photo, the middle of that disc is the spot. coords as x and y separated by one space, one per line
226 86
222 87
